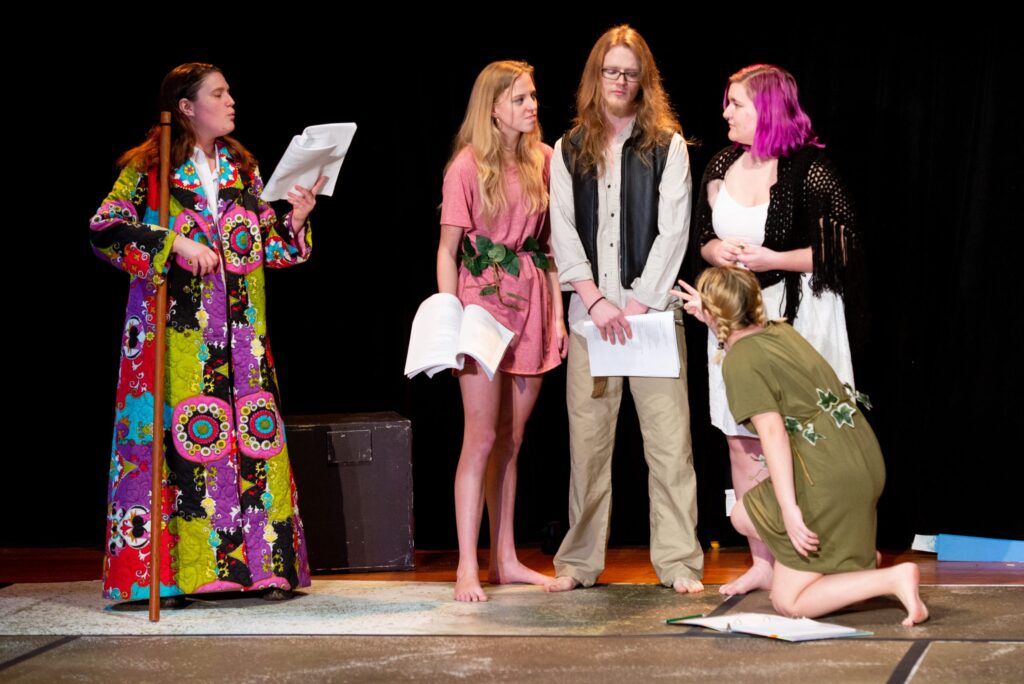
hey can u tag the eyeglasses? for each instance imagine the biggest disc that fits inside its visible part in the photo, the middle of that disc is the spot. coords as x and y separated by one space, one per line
612 74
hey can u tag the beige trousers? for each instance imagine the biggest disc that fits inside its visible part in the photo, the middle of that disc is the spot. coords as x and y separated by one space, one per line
663 409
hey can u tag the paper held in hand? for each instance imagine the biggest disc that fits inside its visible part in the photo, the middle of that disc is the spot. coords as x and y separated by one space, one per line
443 334
771 626
652 352
319 151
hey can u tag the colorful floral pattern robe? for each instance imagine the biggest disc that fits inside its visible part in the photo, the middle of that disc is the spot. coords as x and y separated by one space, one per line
230 517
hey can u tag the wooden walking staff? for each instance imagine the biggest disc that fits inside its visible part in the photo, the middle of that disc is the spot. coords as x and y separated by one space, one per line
156 507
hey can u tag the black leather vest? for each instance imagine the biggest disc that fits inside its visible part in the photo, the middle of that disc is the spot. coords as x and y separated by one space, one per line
638 221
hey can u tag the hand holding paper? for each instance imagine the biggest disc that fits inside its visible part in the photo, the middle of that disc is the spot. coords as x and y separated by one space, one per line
650 352
319 151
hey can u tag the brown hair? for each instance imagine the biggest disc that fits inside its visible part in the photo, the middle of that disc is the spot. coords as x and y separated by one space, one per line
182 81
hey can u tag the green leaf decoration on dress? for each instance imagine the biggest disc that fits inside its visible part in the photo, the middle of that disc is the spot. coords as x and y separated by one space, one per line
861 398
843 415
540 259
497 253
826 400
810 435
483 244
793 425
498 257
510 262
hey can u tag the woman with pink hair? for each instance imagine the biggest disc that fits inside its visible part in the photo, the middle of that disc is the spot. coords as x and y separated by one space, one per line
773 203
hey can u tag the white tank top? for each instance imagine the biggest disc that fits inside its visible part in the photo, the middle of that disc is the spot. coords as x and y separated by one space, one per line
733 220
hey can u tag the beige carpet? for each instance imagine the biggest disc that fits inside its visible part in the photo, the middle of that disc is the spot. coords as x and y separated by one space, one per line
336 607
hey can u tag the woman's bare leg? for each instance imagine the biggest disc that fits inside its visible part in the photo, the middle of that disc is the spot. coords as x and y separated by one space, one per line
518 397
481 402
747 462
798 593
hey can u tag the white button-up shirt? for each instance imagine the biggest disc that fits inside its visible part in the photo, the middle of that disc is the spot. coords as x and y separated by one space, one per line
666 255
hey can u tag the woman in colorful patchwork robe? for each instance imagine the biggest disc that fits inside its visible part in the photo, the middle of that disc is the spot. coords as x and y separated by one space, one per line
230 516
816 512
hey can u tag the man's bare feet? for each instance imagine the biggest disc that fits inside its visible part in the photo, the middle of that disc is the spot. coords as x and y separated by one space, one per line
687 585
908 578
467 587
515 573
562 583
759 576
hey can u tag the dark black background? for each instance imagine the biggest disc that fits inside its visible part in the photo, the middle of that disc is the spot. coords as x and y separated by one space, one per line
924 126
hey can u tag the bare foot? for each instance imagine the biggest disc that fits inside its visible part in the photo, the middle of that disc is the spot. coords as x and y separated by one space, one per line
467 588
562 583
686 585
759 576
908 579
515 573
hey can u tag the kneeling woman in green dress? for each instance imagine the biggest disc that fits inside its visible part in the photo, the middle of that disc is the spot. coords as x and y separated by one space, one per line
816 512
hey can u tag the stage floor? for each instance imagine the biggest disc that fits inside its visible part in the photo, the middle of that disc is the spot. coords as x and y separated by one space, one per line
403 626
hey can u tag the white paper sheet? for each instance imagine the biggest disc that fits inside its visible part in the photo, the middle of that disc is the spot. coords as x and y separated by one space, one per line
652 351
319 151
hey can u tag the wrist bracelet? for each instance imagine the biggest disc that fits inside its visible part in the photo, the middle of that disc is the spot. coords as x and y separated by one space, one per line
591 307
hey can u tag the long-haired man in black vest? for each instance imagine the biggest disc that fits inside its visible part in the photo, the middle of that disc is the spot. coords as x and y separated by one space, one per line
620 218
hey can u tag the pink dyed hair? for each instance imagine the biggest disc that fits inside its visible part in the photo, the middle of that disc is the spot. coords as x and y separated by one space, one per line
783 127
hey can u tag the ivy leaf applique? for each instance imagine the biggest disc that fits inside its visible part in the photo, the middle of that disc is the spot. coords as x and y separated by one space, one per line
826 400
843 415
793 425
489 290
861 398
810 435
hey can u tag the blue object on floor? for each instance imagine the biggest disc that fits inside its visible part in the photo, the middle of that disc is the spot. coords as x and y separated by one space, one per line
954 547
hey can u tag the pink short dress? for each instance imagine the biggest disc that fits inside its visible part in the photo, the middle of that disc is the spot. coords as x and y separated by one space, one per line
534 349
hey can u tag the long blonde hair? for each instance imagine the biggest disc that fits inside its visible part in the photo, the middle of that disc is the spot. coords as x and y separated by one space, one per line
732 297
655 120
479 131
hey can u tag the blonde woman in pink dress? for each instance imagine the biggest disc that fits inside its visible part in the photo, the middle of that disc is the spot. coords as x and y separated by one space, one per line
495 213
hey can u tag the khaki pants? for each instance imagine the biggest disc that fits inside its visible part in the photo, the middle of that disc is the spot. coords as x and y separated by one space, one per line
663 409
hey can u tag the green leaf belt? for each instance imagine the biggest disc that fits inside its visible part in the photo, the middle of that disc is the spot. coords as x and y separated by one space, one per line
488 253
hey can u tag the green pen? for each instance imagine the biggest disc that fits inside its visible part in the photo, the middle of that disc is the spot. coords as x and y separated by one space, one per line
685 617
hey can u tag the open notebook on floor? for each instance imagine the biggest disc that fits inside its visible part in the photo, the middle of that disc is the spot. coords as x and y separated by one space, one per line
771 626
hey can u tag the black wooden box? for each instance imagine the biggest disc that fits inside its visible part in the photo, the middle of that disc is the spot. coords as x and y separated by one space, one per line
354 476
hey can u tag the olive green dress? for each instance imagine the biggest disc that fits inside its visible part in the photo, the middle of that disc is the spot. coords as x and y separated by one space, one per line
837 464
